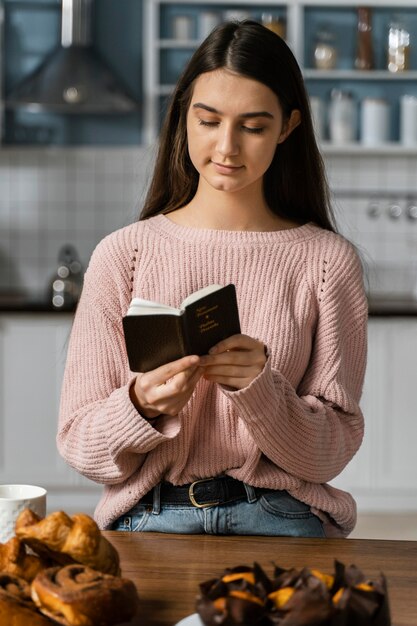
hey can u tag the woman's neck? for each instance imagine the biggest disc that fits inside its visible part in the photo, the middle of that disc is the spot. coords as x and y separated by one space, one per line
218 210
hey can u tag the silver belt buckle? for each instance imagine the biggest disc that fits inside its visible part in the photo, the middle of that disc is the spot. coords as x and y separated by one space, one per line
192 497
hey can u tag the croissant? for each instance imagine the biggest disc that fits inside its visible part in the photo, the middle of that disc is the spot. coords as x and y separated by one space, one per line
76 595
66 540
14 560
16 606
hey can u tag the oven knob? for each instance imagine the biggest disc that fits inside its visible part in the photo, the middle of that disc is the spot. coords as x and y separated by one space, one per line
412 212
374 210
394 211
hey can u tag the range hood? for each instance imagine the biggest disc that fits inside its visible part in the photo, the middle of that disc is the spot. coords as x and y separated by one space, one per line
73 78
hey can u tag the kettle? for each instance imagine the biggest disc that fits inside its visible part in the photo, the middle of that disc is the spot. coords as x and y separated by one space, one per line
65 286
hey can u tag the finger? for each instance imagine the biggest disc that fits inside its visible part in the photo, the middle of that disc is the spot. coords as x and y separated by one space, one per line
169 370
232 357
228 381
230 371
179 385
235 342
171 401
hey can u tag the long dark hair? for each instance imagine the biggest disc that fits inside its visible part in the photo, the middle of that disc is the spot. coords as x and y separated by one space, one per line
295 185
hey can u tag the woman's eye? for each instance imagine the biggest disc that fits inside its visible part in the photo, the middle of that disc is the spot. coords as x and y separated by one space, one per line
253 129
207 123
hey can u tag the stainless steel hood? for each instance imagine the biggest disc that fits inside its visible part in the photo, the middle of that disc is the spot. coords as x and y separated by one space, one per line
73 78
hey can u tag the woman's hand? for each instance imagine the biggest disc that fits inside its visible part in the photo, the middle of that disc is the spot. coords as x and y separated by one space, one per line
235 361
166 389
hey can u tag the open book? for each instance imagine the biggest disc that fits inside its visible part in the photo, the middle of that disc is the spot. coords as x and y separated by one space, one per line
156 334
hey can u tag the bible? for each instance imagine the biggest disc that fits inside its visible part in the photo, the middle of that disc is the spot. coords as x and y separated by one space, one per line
156 334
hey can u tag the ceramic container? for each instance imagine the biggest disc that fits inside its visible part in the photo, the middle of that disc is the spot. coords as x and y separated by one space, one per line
15 498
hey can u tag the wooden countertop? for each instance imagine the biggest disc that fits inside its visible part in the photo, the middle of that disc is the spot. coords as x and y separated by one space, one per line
168 568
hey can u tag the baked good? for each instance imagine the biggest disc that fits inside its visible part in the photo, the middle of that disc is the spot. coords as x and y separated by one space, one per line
66 540
15 560
76 595
246 596
16 606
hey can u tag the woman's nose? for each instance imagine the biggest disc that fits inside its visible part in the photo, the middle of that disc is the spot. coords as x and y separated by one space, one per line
227 143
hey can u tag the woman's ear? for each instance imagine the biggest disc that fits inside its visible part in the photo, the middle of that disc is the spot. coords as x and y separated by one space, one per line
293 121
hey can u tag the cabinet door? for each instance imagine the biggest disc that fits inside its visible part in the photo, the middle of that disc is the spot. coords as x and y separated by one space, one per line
357 477
396 458
32 359
383 474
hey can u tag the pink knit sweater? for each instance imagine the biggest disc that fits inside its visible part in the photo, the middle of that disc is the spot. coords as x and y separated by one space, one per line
295 427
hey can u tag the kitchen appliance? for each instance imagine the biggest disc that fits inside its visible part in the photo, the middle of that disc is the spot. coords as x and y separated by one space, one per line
73 78
65 286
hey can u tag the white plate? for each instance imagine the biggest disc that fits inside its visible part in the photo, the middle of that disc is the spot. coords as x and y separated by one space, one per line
194 620
191 620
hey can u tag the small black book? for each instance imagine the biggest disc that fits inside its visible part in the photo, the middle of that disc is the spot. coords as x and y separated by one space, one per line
156 334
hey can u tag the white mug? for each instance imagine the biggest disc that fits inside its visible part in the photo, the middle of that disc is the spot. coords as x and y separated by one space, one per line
15 498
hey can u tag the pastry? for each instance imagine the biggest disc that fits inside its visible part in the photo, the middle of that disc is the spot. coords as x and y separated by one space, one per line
15 560
76 595
238 597
66 540
16 606
245 596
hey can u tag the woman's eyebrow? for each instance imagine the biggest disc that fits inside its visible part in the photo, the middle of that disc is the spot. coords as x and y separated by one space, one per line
206 107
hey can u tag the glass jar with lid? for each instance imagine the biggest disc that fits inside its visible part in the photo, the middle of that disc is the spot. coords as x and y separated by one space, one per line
325 50
398 46
274 23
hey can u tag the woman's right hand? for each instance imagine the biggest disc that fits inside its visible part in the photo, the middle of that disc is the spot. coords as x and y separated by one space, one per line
166 389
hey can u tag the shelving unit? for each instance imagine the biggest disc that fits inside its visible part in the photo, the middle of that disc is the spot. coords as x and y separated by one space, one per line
167 56
162 49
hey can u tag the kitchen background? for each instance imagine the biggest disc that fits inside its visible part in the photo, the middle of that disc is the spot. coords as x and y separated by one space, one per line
51 197
71 175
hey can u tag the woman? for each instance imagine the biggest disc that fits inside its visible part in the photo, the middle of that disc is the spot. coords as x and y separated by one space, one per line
242 440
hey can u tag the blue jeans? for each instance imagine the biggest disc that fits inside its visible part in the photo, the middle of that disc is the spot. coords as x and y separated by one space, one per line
274 513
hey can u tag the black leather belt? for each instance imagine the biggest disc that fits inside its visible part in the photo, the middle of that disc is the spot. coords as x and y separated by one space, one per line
202 493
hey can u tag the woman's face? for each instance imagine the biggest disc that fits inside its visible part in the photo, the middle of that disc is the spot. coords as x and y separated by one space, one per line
234 124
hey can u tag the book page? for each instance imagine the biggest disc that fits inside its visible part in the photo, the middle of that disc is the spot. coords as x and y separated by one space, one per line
139 306
193 297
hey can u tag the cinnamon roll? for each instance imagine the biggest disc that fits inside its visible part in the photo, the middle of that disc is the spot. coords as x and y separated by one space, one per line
16 606
76 595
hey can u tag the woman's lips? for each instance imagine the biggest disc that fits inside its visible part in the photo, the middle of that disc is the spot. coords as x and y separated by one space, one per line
226 169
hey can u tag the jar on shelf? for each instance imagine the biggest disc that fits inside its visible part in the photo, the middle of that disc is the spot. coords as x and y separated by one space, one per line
364 46
342 117
398 47
318 112
207 22
408 120
375 121
325 50
274 23
182 27
236 15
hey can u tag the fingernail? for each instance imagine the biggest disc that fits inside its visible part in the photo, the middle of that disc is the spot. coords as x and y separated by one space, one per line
212 350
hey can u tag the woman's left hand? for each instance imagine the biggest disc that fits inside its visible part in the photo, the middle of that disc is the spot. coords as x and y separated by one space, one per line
235 361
